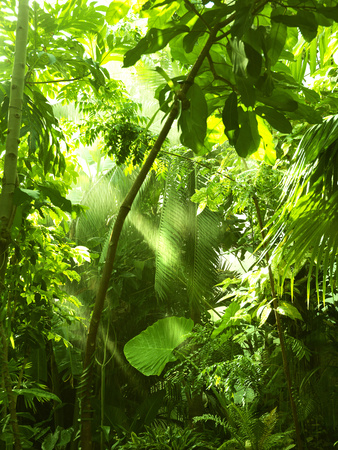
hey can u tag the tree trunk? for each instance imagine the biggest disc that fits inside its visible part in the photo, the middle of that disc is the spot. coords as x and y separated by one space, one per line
280 333
7 208
87 375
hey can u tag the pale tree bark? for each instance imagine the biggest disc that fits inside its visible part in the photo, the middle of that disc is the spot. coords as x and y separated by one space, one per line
7 207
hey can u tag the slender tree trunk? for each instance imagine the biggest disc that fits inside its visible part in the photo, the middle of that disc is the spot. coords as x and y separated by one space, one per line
7 208
280 333
87 376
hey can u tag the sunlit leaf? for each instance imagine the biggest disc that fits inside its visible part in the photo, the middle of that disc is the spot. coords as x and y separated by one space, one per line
117 11
193 120
155 40
287 309
153 348
248 137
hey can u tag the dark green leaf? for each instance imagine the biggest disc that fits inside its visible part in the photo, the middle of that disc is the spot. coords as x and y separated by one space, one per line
230 118
193 120
56 198
248 137
191 38
304 20
306 112
276 119
280 99
265 84
25 196
154 41
243 20
311 95
247 91
255 63
276 40
330 12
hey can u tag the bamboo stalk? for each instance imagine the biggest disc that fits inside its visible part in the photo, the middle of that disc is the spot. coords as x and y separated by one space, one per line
7 208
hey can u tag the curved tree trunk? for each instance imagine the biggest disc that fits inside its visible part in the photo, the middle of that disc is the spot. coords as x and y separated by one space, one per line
87 375
7 208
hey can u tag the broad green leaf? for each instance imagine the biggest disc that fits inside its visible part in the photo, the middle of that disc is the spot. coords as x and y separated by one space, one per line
230 118
56 198
329 12
117 11
304 20
25 196
51 440
287 309
264 314
276 119
248 137
153 348
280 99
266 151
247 91
306 112
276 40
193 120
191 38
155 40
255 62
243 19
226 318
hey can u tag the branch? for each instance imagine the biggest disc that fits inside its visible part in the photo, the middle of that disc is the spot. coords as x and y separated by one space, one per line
58 81
193 9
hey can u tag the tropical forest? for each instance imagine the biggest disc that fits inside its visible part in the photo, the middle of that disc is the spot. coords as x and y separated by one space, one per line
168 228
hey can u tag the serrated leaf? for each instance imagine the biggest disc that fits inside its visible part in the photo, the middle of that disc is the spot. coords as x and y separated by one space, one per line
153 348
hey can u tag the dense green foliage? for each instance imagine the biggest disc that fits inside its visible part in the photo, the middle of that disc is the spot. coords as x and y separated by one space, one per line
235 226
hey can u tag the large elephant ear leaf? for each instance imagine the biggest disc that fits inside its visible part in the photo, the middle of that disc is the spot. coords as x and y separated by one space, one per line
152 349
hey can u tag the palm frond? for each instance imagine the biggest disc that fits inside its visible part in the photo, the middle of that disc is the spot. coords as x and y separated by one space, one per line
306 224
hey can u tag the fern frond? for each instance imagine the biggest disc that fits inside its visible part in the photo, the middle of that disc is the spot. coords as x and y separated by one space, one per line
187 255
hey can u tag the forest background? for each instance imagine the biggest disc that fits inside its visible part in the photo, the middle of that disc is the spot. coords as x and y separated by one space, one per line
168 268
